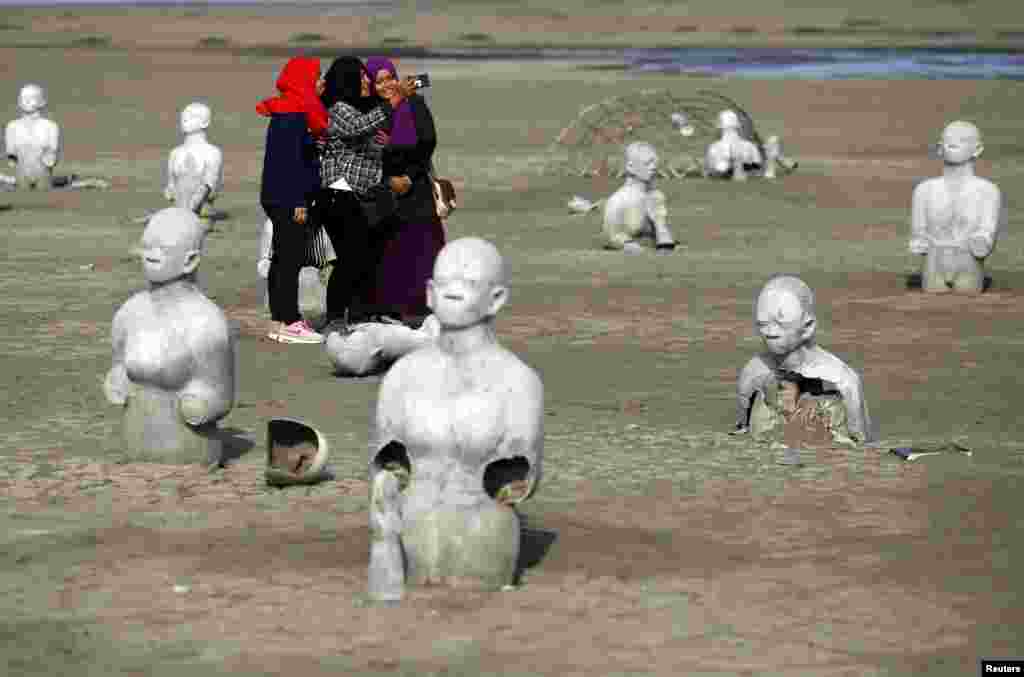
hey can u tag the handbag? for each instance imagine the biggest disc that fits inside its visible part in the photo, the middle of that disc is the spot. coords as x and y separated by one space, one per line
444 196
318 247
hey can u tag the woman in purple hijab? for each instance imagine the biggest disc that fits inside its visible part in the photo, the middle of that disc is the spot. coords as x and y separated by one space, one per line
417 232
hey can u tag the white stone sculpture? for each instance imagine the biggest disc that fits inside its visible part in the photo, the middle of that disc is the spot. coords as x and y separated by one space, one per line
195 169
32 146
458 440
786 322
173 353
637 211
956 218
731 156
32 141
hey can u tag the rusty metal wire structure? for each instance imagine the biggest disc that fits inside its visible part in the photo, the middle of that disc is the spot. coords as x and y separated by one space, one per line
592 144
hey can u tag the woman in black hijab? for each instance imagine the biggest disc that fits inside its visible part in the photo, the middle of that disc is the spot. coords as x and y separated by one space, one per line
350 173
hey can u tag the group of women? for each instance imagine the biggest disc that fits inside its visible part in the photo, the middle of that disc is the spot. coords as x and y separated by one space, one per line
350 150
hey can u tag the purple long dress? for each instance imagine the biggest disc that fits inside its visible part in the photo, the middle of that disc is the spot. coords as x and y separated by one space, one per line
408 257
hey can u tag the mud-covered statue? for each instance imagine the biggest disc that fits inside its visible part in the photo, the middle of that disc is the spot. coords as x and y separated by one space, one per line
796 391
32 141
458 440
371 348
732 155
956 218
195 169
637 211
173 353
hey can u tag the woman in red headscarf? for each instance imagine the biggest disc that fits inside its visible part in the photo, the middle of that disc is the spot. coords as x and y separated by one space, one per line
290 182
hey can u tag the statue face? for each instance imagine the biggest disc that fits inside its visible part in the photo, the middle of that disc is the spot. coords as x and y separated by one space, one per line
960 143
31 99
782 322
728 119
464 290
168 248
194 118
641 162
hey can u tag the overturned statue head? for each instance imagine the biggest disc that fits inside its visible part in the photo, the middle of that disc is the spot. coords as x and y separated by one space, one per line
173 369
457 442
370 348
957 217
794 388
195 169
636 215
32 141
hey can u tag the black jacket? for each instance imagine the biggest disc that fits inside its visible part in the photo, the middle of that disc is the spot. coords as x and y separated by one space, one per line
291 166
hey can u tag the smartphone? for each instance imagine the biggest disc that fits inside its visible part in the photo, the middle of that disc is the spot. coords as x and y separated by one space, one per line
422 80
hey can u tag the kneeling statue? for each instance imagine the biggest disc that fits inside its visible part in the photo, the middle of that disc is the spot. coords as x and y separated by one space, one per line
173 353
956 217
458 440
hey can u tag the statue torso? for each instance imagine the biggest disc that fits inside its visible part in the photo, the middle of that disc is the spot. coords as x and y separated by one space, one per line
954 210
162 337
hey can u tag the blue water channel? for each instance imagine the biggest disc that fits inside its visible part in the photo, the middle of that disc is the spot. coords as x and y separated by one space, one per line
826 64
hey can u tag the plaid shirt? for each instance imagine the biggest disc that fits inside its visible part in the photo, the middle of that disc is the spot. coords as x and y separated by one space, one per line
349 149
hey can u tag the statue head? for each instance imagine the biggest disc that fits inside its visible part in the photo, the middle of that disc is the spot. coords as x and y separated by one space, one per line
171 245
784 314
728 119
195 118
961 143
31 99
468 285
641 160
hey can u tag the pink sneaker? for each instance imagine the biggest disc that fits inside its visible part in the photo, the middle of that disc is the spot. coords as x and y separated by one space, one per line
299 332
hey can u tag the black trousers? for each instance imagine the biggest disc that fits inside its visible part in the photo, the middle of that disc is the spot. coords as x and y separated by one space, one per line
289 244
359 248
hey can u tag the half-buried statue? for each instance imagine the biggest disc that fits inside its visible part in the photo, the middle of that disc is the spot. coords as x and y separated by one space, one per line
795 389
458 440
174 356
956 217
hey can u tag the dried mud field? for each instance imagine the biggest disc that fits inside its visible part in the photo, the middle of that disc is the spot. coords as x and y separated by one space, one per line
657 544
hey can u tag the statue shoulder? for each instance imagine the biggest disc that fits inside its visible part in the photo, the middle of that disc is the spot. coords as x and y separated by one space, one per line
987 188
830 366
518 375
927 185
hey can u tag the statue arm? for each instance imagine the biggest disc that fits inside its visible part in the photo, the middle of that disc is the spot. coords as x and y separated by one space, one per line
524 429
210 393
52 152
10 143
169 189
751 379
983 238
857 418
919 220
657 208
213 171
116 384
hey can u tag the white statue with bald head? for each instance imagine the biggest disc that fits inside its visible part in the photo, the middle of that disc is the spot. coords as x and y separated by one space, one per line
637 211
195 169
786 322
732 156
173 354
32 141
458 440
957 217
